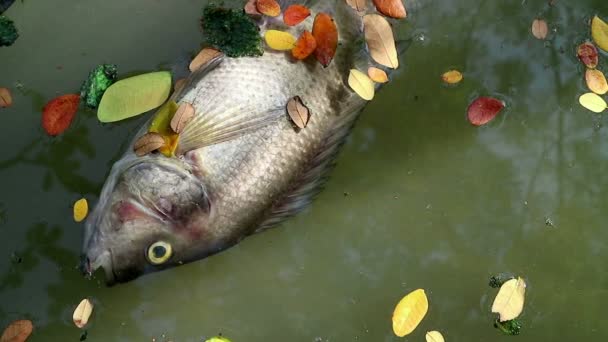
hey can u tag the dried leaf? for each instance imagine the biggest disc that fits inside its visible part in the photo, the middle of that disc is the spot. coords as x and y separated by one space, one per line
81 209
270 8
280 40
587 53
509 301
596 81
298 112
593 102
409 312
358 5
599 32
483 110
305 46
377 75
540 29
380 40
251 8
183 115
17 331
434 336
82 313
203 57
179 84
452 77
147 143
6 100
391 8
57 114
295 14
361 84
326 35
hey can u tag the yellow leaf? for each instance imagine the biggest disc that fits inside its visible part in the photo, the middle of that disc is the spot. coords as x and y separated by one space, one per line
434 336
82 313
596 81
509 301
599 32
380 40
409 312
361 84
279 40
81 209
452 76
593 102
161 124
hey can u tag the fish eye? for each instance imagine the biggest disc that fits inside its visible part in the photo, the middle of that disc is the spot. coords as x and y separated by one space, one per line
159 252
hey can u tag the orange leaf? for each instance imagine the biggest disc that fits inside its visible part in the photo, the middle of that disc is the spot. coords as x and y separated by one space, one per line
483 110
17 331
587 53
377 75
596 81
6 100
391 8
305 45
58 113
326 34
295 14
270 8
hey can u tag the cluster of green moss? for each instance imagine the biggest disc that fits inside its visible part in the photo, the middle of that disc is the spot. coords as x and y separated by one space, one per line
100 79
231 31
8 31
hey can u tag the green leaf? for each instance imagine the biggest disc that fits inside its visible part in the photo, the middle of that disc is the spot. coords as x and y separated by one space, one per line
134 95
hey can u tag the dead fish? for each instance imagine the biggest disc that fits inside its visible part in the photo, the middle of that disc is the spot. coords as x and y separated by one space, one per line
242 167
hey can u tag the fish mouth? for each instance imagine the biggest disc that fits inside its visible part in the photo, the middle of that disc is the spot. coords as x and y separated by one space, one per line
88 265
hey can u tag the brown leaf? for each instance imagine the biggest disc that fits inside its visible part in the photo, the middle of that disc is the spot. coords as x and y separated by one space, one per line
380 40
596 81
6 100
391 8
147 143
251 8
377 75
183 115
359 5
305 46
17 331
270 8
298 112
540 29
587 53
203 57
295 14
179 84
326 35
483 110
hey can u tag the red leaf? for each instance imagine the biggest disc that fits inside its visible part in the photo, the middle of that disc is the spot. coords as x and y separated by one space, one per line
587 53
391 8
483 110
305 46
295 14
58 113
326 34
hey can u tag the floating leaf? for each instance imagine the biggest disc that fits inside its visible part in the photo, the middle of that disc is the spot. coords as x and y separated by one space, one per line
377 75
588 54
6 100
540 28
380 40
134 95
452 77
57 114
298 112
509 301
391 8
409 312
295 14
218 339
81 209
596 81
183 115
203 57
147 143
361 84
599 32
251 8
359 5
161 124
82 313
483 110
305 46
17 331
434 336
593 102
270 8
279 40
326 35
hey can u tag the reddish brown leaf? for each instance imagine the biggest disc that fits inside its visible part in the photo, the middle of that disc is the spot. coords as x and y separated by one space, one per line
58 113
326 34
6 100
391 8
295 14
587 53
17 331
270 8
305 46
251 8
483 110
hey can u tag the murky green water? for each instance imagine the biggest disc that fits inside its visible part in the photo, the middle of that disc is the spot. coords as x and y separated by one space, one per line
420 199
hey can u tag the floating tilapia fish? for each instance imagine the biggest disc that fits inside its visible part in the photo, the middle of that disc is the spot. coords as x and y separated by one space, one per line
242 167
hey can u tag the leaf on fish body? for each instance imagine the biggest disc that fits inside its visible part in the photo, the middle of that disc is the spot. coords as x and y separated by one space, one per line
391 8
279 40
179 84
540 29
81 209
509 301
361 84
593 102
57 114
326 35
599 32
452 77
409 312
587 53
483 110
380 40
251 8
298 112
161 124
17 331
596 81
377 75
6 100
270 8
203 57
434 336
147 143
295 14
134 96
82 313
183 115
305 46
358 5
